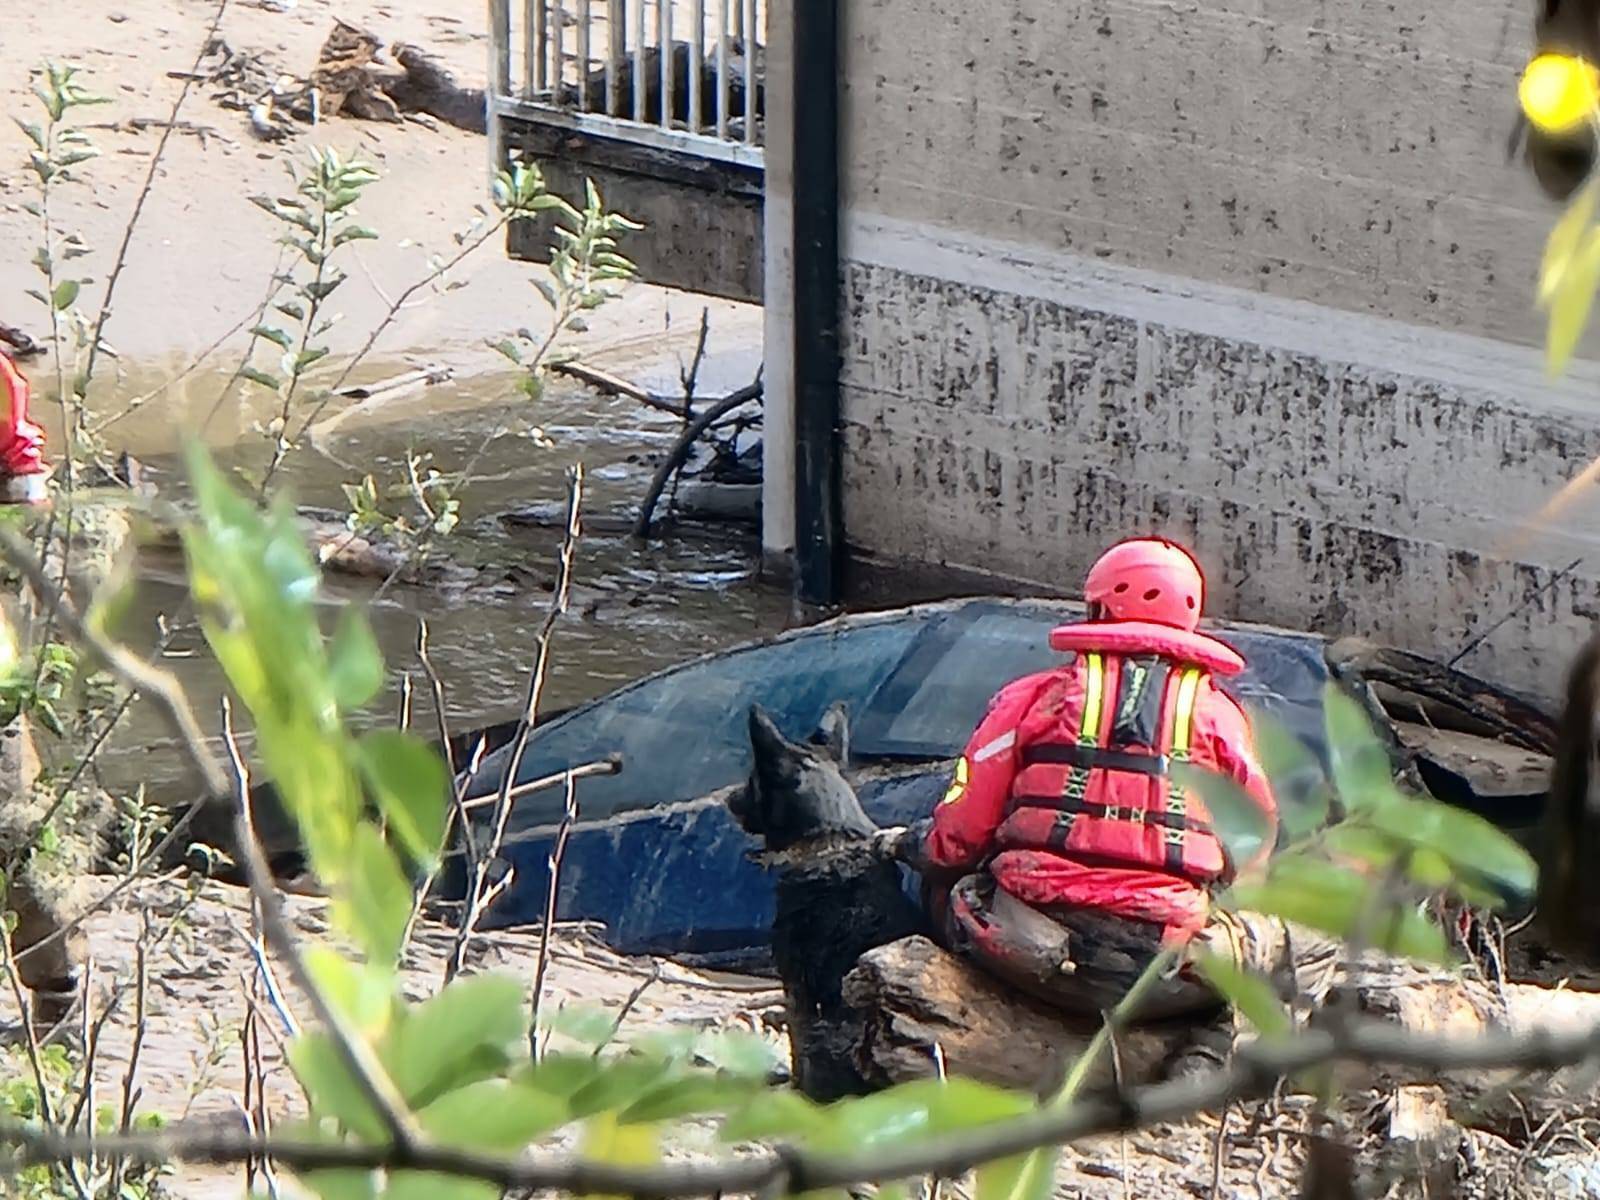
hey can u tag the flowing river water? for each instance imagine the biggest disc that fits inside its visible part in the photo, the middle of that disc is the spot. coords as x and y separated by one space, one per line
636 607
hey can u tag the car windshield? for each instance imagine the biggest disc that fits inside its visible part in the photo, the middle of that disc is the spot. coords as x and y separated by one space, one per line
930 705
685 733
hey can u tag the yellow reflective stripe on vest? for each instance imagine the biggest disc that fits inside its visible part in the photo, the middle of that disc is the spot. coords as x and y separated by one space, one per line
1076 783
1182 736
1183 713
1093 698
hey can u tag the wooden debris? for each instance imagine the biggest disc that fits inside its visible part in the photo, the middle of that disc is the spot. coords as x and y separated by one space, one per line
427 86
343 79
914 995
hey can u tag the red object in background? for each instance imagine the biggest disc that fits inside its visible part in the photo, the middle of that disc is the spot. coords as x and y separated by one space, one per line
21 441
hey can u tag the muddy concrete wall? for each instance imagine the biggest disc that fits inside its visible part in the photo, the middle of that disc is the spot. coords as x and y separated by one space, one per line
1256 275
702 219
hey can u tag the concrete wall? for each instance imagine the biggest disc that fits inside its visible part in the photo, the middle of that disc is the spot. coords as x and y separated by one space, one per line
702 219
1254 274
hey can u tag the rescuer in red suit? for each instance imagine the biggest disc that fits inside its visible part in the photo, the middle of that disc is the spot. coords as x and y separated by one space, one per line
1065 854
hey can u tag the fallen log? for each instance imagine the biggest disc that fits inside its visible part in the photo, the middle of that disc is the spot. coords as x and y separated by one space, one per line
917 1003
429 87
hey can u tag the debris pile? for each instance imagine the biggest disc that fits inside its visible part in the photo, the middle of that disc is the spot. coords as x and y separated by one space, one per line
352 76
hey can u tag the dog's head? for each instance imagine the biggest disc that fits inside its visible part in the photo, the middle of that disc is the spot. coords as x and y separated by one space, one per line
795 793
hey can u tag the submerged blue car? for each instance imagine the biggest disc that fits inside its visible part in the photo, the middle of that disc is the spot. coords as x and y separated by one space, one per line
655 857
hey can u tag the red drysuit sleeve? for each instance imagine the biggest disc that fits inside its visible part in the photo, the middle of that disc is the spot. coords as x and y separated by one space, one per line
1233 748
965 822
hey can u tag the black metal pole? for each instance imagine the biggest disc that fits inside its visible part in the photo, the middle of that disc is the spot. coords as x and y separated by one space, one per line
819 525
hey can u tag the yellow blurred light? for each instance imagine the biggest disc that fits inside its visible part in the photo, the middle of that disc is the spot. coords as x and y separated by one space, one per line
1559 93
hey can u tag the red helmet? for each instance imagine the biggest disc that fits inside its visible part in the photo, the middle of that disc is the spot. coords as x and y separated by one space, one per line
1148 579
1145 596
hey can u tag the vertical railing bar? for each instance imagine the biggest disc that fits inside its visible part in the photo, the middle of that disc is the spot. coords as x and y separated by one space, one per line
722 68
697 71
616 45
664 36
585 53
558 48
533 68
637 10
500 46
738 25
748 32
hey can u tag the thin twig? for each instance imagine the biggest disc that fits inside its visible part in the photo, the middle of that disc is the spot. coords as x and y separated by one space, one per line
628 1005
395 306
455 819
144 194
199 360
552 899
606 766
473 909
141 1025
614 385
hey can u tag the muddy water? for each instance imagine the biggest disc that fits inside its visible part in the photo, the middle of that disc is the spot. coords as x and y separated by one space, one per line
637 607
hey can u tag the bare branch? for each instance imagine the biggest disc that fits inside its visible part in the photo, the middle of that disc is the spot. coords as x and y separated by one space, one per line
551 899
1256 1070
476 900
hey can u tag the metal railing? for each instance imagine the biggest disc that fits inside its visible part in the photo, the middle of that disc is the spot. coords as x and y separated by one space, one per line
688 74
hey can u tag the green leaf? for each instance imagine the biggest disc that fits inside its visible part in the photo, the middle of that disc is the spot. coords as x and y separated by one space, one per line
410 784
561 1075
1475 847
607 1141
743 1055
1566 238
1345 904
275 335
355 664
1247 992
619 1083
1361 768
375 903
330 1088
492 1114
917 1112
66 292
1238 820
693 1093
354 233
1361 844
587 1024
258 376
342 1184
1571 304
363 993
440 1043
1028 1176
425 1185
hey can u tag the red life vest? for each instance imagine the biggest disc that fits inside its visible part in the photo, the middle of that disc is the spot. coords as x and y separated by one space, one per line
1104 793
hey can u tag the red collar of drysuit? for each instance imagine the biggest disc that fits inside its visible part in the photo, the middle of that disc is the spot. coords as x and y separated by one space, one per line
1145 637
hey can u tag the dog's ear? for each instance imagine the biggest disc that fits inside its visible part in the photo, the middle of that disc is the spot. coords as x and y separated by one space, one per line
832 736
